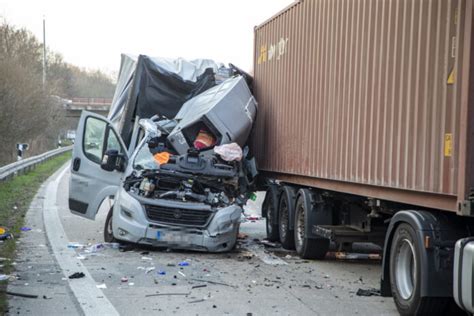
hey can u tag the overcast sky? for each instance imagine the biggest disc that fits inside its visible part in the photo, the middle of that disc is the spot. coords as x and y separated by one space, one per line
93 33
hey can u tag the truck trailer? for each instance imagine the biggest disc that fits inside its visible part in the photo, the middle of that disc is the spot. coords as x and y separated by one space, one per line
365 134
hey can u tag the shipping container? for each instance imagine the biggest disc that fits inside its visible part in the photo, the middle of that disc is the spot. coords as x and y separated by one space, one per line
369 97
365 132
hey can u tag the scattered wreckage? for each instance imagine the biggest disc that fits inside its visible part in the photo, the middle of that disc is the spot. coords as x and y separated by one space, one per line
172 153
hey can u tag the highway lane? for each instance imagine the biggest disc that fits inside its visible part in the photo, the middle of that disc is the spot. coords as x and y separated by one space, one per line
250 279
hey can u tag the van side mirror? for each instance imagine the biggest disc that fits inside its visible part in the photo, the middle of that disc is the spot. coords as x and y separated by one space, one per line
109 160
112 160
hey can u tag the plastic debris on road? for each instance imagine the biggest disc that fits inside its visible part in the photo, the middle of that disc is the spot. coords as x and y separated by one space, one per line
101 286
183 264
252 217
161 272
4 277
6 235
95 248
148 270
25 229
75 245
269 243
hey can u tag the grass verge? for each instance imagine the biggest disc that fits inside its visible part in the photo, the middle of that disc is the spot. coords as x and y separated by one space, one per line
16 195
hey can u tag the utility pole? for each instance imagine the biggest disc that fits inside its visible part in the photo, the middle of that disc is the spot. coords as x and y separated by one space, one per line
44 53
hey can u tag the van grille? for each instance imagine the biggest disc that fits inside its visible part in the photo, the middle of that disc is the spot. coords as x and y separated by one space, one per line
176 216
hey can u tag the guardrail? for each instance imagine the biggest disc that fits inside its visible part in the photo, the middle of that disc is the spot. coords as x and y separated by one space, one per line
21 166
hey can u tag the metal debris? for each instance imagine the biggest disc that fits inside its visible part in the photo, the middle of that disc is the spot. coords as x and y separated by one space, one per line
214 282
22 294
368 292
167 294
77 275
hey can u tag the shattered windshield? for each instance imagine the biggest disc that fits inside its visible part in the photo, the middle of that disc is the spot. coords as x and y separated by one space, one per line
144 159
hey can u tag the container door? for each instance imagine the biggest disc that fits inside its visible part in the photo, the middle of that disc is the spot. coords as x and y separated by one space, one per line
89 184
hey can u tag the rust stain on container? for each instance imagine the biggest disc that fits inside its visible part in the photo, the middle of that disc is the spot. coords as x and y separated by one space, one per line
371 93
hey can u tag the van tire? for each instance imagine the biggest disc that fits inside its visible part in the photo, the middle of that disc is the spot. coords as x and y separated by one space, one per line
108 231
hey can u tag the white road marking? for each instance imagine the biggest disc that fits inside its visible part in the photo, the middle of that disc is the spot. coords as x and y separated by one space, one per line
91 299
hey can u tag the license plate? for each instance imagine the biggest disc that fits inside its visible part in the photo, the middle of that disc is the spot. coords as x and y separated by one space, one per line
172 237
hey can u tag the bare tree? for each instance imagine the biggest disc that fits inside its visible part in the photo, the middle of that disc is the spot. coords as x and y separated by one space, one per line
28 112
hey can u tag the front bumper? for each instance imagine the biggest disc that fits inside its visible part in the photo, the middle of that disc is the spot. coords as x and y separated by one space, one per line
131 224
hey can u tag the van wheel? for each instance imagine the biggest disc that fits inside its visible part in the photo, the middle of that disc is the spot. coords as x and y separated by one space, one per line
270 208
315 248
108 231
285 209
405 276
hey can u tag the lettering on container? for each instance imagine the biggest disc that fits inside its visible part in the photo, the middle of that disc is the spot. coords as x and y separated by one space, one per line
272 51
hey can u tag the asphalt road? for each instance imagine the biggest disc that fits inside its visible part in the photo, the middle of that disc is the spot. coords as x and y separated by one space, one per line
251 280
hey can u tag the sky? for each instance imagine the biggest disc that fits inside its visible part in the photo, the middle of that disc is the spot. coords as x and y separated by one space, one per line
93 33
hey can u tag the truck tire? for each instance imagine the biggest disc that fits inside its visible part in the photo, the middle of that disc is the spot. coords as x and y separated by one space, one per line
306 248
270 209
108 232
285 210
405 276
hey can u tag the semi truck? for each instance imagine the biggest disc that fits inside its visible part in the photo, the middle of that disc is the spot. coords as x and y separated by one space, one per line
365 134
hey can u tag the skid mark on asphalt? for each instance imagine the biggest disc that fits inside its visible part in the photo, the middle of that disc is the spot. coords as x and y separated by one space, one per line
91 299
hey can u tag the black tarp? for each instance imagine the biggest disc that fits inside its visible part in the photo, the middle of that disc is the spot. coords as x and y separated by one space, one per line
163 92
148 86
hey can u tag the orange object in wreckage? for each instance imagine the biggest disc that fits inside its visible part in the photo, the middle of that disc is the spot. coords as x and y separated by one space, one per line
162 158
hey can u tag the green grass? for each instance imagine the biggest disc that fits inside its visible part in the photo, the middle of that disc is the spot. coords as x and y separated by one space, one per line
16 195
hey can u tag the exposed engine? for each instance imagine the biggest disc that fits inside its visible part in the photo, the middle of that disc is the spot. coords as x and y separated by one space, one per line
196 177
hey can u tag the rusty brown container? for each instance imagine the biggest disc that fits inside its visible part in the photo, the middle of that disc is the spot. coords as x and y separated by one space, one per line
369 97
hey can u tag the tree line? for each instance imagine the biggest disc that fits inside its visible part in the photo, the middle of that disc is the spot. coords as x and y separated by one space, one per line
30 112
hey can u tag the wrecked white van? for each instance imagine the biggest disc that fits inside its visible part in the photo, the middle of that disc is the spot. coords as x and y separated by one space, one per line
169 185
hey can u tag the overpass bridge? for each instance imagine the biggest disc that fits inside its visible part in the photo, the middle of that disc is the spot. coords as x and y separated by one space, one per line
75 106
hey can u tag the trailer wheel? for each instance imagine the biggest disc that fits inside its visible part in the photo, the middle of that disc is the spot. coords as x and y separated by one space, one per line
405 275
314 248
108 232
270 209
285 209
